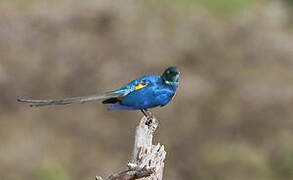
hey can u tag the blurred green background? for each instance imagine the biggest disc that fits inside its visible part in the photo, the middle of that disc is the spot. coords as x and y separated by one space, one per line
231 118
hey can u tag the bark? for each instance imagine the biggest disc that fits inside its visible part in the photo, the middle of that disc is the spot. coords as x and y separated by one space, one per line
147 159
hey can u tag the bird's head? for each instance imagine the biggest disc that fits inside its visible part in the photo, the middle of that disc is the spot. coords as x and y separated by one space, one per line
171 75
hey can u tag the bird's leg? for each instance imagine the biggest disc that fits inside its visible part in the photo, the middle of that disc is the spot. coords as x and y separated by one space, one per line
149 115
144 111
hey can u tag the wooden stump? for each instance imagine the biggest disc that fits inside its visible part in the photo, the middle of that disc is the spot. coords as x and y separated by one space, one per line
147 160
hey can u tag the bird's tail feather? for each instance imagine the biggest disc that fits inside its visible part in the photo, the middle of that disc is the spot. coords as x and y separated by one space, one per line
64 101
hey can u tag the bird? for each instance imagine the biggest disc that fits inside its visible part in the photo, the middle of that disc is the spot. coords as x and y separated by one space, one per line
143 93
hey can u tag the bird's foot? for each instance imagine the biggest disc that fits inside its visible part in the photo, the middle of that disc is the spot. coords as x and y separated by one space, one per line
149 115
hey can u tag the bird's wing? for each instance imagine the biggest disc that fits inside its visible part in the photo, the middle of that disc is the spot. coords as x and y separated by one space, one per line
127 89
133 86
63 101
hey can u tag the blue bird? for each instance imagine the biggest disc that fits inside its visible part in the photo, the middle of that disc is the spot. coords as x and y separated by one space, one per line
146 92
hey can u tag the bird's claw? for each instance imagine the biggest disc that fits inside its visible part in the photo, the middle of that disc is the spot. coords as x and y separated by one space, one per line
149 115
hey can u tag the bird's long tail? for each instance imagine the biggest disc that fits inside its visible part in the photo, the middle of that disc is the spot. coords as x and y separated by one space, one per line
64 101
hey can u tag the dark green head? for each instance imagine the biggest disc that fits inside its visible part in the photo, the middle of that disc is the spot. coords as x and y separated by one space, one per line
171 75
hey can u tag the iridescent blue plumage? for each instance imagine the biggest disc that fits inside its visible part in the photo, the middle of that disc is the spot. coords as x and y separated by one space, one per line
155 93
145 92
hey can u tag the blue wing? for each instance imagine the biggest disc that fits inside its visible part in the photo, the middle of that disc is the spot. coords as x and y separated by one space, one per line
138 84
142 93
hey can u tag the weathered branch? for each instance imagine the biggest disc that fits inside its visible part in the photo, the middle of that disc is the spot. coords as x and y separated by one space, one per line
147 159
130 174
